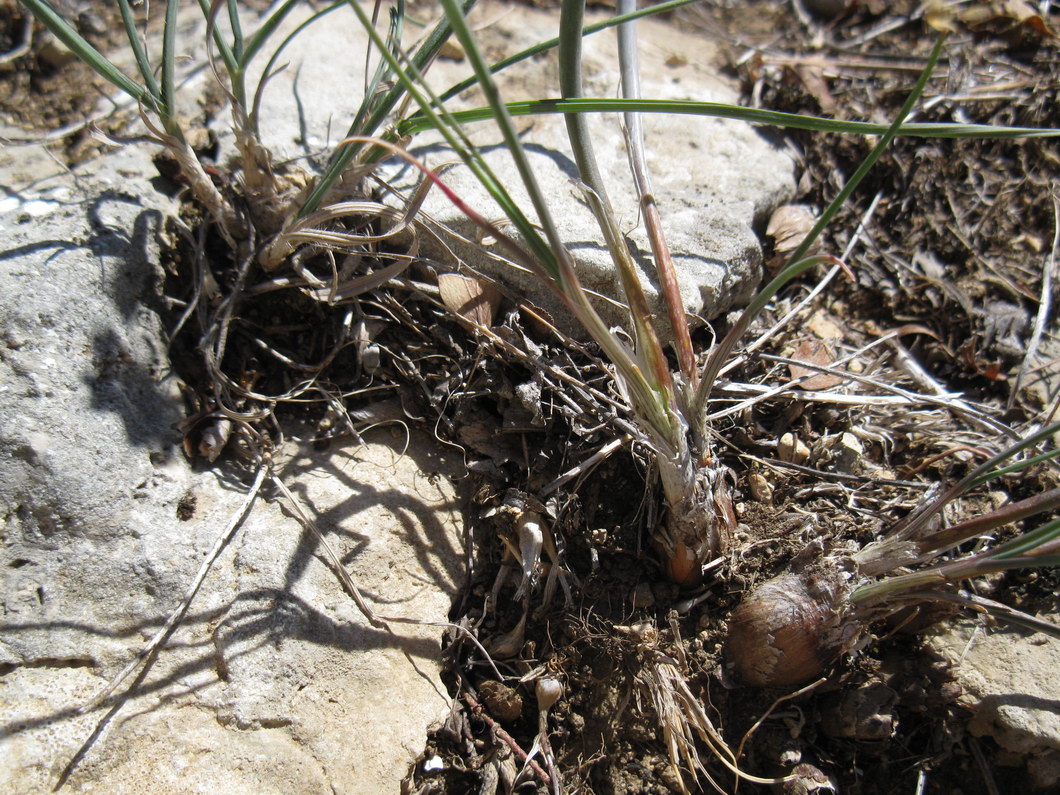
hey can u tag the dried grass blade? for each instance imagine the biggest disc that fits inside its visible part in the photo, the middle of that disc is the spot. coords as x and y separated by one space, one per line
671 290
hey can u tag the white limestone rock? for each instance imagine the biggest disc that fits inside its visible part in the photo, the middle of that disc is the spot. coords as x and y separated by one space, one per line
274 682
1008 679
716 181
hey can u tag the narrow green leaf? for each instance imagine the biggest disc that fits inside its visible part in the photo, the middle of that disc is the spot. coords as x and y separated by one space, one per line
383 72
648 346
798 261
773 118
1019 466
412 81
985 472
553 252
342 157
143 62
544 46
911 526
237 30
873 156
169 61
1027 542
270 65
209 10
724 349
265 31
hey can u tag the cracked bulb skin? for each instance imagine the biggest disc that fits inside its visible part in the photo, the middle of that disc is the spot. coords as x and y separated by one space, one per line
790 628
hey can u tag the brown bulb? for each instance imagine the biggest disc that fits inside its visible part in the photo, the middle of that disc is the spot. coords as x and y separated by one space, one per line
789 628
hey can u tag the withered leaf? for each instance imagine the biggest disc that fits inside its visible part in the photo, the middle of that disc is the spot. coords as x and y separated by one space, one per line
788 226
814 352
474 299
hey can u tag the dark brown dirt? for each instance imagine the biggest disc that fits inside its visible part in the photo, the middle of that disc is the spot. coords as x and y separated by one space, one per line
47 87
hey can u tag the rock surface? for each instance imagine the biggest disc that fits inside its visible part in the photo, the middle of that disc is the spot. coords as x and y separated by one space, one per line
1009 682
715 180
274 682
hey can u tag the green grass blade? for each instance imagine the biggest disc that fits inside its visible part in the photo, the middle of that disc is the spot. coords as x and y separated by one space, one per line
237 31
265 31
645 399
798 263
877 151
411 80
544 46
551 253
419 90
570 79
143 63
383 71
1027 542
724 349
1019 466
169 62
271 63
342 158
209 10
958 533
1040 555
985 472
62 30
911 526
773 118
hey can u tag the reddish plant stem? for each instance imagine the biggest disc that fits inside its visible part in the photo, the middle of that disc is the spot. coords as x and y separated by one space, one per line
959 533
669 287
517 749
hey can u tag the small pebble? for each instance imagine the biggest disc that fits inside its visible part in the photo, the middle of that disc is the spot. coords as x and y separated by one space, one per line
760 488
792 449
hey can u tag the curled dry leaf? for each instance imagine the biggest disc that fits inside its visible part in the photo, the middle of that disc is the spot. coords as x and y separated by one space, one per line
510 643
1008 14
813 351
808 780
1003 16
531 541
206 436
474 299
788 226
